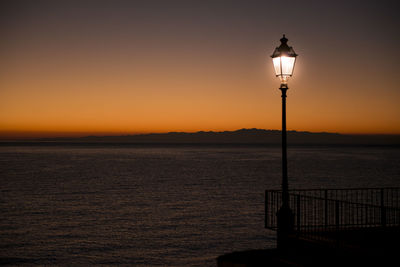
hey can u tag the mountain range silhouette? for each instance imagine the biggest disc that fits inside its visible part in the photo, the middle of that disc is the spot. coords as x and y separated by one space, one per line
242 136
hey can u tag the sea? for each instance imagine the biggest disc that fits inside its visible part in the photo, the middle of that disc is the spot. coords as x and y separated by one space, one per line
160 205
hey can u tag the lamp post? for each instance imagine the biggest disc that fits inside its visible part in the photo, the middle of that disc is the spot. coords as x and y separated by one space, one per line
284 59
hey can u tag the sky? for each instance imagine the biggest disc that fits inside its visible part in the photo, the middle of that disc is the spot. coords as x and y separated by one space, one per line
76 68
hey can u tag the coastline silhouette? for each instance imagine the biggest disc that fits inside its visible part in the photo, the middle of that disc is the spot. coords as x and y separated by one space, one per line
242 136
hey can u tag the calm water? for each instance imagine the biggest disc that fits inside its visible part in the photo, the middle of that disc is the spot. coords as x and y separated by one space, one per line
177 206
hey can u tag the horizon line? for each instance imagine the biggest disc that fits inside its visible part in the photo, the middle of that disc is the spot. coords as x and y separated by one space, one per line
34 135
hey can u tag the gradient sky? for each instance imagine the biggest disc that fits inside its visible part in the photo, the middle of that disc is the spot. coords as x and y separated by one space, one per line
73 68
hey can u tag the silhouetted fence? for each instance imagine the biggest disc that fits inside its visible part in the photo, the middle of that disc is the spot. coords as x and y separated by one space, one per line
322 210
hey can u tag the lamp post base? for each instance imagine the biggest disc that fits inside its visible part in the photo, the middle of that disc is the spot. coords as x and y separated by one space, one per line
285 218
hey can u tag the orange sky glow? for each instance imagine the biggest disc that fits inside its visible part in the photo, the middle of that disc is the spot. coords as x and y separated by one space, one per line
82 70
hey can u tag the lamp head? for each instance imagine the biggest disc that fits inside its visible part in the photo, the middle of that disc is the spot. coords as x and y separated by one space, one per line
284 58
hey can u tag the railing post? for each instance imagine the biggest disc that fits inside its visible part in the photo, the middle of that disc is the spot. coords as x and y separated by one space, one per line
326 208
337 222
298 214
337 219
266 209
383 209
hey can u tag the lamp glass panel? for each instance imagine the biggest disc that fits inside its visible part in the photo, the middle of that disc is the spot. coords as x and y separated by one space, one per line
287 65
277 65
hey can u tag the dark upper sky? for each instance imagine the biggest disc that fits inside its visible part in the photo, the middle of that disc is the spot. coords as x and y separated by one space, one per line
156 66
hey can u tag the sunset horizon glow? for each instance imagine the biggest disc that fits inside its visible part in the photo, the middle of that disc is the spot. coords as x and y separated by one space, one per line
79 68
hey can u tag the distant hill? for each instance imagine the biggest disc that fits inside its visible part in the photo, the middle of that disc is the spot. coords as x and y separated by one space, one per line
242 136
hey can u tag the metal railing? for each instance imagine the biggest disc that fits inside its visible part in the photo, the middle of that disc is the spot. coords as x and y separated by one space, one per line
323 210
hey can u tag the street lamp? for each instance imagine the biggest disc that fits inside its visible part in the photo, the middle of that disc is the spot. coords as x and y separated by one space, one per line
284 59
